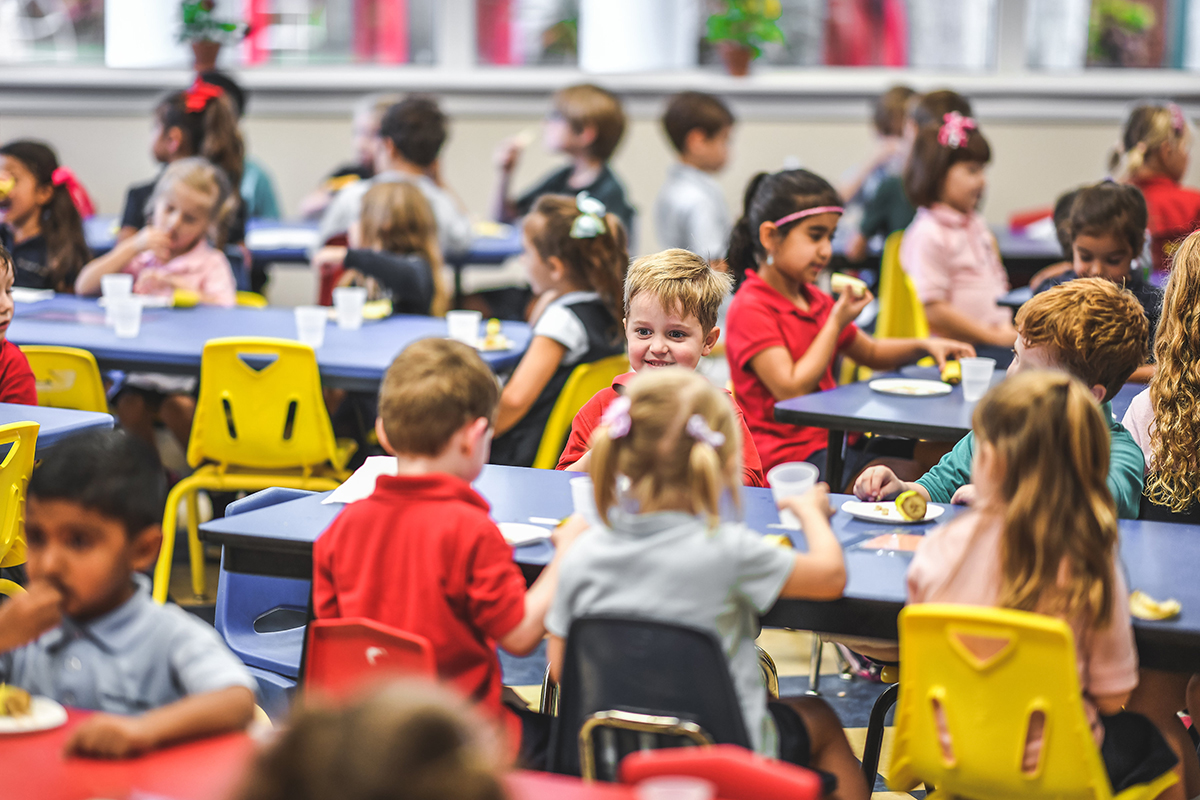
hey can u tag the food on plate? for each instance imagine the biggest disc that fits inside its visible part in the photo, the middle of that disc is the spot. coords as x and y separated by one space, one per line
14 702
911 505
1143 606
952 373
495 338
840 283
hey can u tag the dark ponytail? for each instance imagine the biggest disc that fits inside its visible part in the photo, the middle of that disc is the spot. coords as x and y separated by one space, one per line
771 196
211 131
62 227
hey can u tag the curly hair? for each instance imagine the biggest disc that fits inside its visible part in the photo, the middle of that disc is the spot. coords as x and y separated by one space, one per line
1174 479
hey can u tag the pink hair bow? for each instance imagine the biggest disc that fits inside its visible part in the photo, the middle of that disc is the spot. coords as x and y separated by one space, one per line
699 430
955 130
198 95
1177 120
616 418
64 177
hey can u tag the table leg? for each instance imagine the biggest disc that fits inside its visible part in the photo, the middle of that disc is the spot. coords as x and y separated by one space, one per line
814 667
833 460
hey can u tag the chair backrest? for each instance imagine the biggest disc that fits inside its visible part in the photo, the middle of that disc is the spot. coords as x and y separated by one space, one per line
646 667
340 655
15 469
737 773
974 678
901 312
260 406
66 377
581 386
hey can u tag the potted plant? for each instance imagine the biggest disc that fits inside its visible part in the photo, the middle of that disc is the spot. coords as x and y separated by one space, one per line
741 28
206 33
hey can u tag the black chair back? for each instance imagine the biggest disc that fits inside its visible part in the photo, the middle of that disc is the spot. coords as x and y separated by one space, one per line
1155 513
646 667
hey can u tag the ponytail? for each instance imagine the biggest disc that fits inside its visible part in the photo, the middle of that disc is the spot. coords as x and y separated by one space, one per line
1147 128
743 244
61 223
205 116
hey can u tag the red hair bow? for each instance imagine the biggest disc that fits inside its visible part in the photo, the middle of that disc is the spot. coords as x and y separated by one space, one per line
955 130
64 177
198 95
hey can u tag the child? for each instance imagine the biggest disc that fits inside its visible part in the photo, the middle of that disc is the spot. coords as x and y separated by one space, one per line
198 121
586 125
889 118
17 384
674 437
39 221
691 213
407 741
1107 226
420 553
671 304
784 332
396 254
948 250
1090 328
575 256
1153 155
87 633
368 113
1040 436
191 203
256 189
411 135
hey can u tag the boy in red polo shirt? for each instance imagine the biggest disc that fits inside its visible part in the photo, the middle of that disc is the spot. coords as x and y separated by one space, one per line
421 553
16 378
672 300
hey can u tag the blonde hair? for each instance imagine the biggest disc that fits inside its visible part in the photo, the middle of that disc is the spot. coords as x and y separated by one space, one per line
1147 128
668 467
207 178
587 104
1174 479
432 389
679 280
397 218
408 741
1053 445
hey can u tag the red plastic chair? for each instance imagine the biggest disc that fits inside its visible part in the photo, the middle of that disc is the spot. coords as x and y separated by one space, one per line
738 773
343 654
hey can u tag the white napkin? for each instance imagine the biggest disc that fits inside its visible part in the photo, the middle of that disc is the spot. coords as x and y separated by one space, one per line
362 482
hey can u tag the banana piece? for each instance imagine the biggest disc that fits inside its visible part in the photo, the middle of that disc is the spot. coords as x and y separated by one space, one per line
185 298
911 505
779 540
1143 606
6 186
840 284
952 373
14 702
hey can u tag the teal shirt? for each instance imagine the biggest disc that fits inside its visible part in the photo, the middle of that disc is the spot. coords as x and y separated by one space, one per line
1126 469
258 193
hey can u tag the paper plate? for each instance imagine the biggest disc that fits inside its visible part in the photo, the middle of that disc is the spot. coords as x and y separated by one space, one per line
43 715
887 512
909 387
519 534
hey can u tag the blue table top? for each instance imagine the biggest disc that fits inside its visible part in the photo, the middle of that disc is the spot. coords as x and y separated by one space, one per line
172 339
55 424
1154 554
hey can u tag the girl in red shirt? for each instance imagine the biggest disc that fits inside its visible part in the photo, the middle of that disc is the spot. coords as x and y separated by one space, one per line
1156 143
16 378
783 331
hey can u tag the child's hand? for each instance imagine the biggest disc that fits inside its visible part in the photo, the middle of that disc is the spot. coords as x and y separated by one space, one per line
156 240
848 307
508 153
813 502
109 736
565 534
964 495
877 483
329 257
27 616
943 349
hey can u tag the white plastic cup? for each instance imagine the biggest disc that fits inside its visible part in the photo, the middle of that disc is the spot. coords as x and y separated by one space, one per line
112 287
583 496
976 377
791 480
675 787
463 326
348 302
126 315
310 325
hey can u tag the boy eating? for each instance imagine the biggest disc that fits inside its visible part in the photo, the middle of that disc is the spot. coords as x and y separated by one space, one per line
671 303
1089 327
421 553
88 634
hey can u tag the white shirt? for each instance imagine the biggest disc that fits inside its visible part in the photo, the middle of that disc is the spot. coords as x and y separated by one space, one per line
691 213
559 323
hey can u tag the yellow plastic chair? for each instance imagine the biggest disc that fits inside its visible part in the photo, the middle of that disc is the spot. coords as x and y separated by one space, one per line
251 300
66 377
15 470
581 386
260 421
989 670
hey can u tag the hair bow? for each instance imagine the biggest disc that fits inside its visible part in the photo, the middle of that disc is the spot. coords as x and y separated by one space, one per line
616 418
198 95
698 429
1177 119
590 222
64 177
955 130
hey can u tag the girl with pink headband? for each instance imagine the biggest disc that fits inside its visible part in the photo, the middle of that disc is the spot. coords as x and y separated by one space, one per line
783 332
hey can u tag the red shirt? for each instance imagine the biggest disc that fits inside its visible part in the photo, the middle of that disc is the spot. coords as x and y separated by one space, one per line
589 416
16 378
1174 213
760 317
422 555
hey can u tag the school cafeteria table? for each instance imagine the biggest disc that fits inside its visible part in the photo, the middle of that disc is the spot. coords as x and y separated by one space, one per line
32 767
55 424
172 339
277 540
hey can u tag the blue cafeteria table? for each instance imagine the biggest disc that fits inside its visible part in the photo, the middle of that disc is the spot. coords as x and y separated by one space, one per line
55 424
